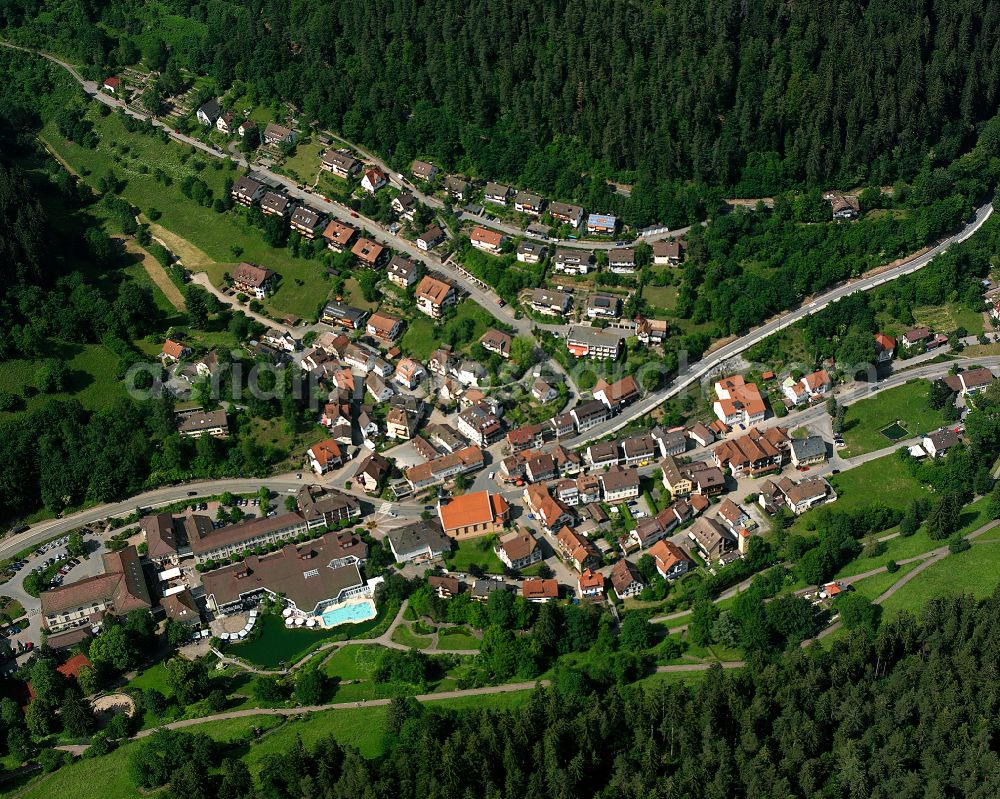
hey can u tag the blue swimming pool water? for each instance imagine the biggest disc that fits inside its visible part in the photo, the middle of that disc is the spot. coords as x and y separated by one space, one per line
358 611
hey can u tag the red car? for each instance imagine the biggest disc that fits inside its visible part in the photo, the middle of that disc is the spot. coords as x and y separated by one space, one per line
354 214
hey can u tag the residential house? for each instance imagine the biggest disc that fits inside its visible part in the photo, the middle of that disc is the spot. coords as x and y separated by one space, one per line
626 580
246 191
971 381
441 362
550 303
549 512
434 295
676 479
594 343
707 480
540 467
276 203
403 272
337 313
423 170
589 414
566 214
809 388
617 395
409 373
418 541
844 207
526 437
329 506
577 549
337 235
404 205
671 442
572 262
530 252
652 331
339 163
914 336
807 451
601 225
619 484
487 240
621 260
194 424
805 494
518 550
497 193
712 539
377 388
280 339
753 454
278 134
603 306
639 450
325 456
938 443
540 591
245 127
527 203
603 454
480 424
563 425
372 472
111 85
542 392
590 584
430 238
494 340
671 561
373 180
383 326
445 587
369 253
224 123
444 467
474 514
885 348
456 188
701 435
174 351
307 221
208 112
668 252
253 280
733 515
738 402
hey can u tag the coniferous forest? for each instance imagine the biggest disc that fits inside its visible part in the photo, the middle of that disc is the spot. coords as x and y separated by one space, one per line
907 713
676 98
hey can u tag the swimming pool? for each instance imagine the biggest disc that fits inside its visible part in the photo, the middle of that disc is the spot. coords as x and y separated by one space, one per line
350 613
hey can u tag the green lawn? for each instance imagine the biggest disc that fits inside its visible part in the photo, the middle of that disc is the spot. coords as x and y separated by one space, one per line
973 516
949 317
351 662
92 378
457 640
419 340
153 677
478 551
303 286
975 571
907 403
660 296
873 587
405 636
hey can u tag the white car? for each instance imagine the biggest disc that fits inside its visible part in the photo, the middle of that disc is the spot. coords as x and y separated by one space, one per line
492 475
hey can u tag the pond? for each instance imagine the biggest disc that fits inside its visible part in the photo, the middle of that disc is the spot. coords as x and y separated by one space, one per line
895 431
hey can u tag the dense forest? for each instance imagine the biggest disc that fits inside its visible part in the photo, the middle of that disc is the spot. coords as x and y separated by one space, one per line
672 97
910 711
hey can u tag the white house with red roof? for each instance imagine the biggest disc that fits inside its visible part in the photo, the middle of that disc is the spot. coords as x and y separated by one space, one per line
373 180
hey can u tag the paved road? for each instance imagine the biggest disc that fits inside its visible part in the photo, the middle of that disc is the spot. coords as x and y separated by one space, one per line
704 367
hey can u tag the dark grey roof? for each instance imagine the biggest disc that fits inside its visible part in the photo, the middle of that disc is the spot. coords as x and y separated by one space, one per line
811 447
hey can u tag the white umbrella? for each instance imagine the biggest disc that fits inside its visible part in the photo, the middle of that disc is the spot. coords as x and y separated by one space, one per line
289 622
286 612
299 621
311 623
